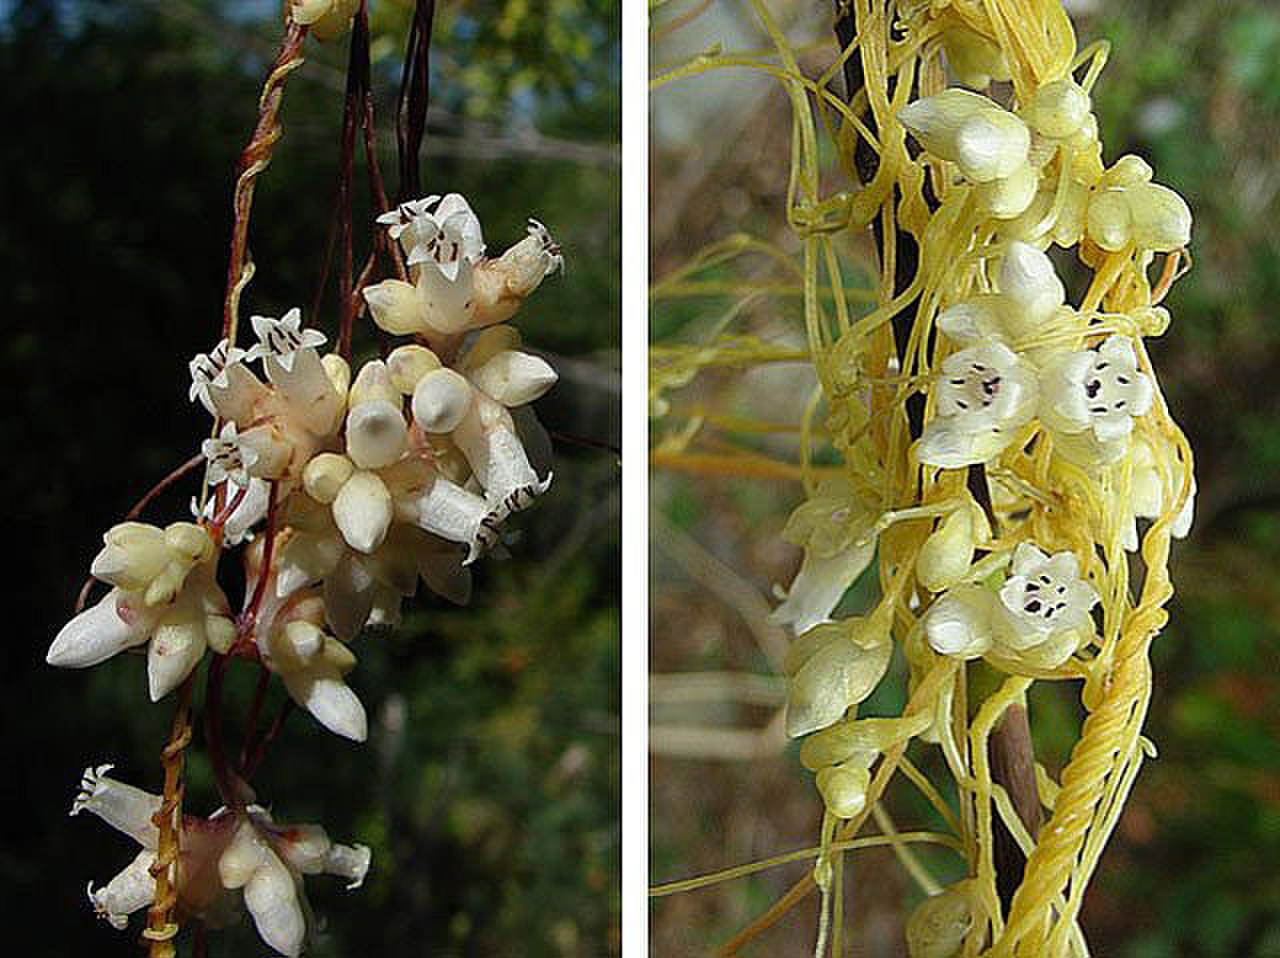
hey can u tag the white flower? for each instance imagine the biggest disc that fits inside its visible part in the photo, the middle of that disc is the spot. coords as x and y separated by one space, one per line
229 458
1095 396
209 370
443 231
488 439
282 339
129 810
984 395
235 850
1151 490
1042 597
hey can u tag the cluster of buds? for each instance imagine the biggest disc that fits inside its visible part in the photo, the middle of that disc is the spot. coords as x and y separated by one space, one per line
241 850
1015 375
343 491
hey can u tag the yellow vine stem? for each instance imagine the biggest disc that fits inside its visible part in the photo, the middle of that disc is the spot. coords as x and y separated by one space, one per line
162 924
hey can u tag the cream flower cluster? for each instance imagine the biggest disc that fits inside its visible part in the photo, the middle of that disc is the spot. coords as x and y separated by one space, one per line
244 851
342 490
1018 371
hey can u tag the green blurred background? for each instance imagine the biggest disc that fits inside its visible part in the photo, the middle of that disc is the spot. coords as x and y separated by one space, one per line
1194 87
489 787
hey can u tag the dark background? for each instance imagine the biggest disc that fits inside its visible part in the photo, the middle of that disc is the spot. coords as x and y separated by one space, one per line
489 786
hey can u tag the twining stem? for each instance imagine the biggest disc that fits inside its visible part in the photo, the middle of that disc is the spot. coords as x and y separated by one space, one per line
255 158
161 925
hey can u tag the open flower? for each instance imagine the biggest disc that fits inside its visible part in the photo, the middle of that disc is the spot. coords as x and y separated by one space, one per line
1038 620
1089 399
165 595
455 286
984 395
226 852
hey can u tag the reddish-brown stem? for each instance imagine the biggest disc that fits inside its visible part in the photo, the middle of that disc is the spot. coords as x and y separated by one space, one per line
161 927
411 110
268 737
226 511
250 615
253 160
255 711
230 785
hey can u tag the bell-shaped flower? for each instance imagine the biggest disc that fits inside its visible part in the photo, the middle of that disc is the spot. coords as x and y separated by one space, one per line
831 668
165 594
229 458
985 394
376 431
983 139
1152 489
294 368
222 383
503 284
836 530
456 288
487 437
128 810
328 19
1043 608
1089 399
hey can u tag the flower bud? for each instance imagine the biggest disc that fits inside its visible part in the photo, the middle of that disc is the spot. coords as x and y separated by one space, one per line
338 371
409 363
860 739
363 511
937 928
1027 276
373 383
176 648
975 59
189 541
1057 109
958 624
838 674
395 306
1008 196
1129 170
376 434
986 141
134 554
514 378
1109 220
301 642
948 552
844 789
441 400
1161 218
325 475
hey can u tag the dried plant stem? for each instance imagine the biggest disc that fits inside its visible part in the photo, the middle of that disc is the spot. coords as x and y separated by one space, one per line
162 924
